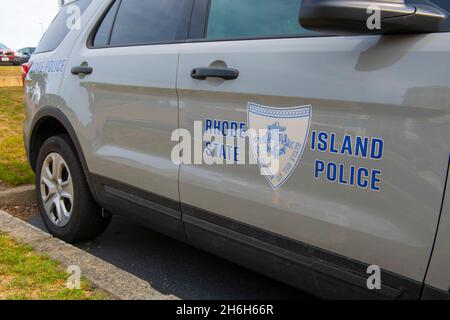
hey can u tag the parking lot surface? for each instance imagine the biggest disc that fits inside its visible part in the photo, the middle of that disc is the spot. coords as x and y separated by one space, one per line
175 268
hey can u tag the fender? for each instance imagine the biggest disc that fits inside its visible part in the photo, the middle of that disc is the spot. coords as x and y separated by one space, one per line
52 112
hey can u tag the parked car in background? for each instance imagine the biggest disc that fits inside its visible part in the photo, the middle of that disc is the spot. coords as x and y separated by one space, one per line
25 54
8 56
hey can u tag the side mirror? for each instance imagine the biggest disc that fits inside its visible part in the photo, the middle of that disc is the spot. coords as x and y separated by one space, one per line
346 17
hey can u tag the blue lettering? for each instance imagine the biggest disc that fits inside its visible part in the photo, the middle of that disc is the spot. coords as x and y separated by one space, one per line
234 128
216 126
208 125
377 149
229 152
225 127
332 141
363 175
242 128
362 145
331 172
63 64
208 149
313 140
352 176
347 146
319 168
323 145
60 64
376 180
341 175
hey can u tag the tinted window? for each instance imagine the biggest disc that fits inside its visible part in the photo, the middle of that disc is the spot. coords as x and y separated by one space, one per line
58 30
101 38
150 21
29 51
253 18
444 4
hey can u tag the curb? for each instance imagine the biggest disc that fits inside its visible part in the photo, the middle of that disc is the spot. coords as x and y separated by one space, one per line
114 281
17 196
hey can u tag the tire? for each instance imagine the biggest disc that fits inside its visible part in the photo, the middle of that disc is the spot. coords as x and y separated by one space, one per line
67 207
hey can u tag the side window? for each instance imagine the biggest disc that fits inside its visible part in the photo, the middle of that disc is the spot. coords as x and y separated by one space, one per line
58 30
103 34
444 4
145 22
254 18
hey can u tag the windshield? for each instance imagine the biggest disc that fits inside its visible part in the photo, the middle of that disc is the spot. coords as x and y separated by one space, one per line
2 46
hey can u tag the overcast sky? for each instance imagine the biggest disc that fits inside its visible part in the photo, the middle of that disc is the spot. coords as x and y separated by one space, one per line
22 21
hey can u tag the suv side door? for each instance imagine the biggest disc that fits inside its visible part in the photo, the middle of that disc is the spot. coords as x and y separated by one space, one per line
126 109
374 203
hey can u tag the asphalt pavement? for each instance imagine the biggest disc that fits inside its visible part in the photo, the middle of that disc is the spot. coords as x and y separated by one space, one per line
172 267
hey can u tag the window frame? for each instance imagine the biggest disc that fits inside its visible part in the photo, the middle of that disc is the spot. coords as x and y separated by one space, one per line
310 34
93 32
198 28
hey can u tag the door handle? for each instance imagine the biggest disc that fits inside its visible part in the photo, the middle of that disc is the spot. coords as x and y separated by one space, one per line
224 73
82 70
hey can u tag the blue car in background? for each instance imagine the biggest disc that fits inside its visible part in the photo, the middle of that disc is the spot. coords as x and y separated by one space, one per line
25 54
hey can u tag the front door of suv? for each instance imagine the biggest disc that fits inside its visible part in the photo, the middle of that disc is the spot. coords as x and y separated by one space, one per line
128 106
371 179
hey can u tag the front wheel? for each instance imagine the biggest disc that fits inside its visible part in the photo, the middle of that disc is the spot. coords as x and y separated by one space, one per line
67 207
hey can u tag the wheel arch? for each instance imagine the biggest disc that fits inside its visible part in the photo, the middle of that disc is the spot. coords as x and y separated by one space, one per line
48 122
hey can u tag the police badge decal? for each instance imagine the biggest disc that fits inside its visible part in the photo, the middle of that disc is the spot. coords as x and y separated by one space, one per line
278 137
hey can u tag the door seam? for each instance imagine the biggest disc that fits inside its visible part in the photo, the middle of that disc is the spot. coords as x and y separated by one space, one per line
178 127
437 229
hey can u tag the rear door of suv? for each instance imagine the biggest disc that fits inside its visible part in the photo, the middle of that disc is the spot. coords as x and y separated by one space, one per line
126 109
370 181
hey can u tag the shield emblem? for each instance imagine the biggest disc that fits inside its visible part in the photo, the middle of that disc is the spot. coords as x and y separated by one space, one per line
281 135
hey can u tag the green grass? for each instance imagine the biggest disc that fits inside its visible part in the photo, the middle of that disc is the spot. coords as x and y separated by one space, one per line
14 169
9 71
25 275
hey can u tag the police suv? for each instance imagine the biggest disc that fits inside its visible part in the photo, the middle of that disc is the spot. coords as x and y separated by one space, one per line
308 140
